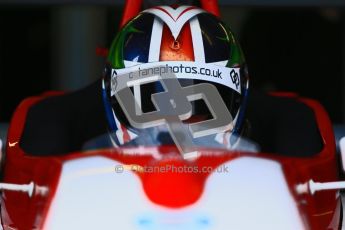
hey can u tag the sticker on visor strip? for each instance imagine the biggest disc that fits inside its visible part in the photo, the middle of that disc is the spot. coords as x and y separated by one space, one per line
229 77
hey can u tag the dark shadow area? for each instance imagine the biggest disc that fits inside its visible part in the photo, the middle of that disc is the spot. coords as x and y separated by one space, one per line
25 55
298 50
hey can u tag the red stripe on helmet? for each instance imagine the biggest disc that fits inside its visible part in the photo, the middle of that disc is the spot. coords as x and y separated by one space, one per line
180 49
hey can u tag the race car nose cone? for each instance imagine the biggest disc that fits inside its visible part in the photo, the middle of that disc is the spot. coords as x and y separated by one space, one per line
173 183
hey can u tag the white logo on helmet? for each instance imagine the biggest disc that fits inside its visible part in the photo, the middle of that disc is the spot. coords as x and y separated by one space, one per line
175 18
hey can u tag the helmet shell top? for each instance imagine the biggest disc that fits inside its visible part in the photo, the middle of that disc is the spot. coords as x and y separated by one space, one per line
148 36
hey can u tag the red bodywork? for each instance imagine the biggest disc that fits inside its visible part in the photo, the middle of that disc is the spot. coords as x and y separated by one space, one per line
20 211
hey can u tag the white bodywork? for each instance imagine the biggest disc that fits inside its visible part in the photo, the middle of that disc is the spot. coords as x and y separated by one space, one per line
342 151
252 195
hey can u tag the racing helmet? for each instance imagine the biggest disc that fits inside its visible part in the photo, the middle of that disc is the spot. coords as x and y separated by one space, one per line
194 44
